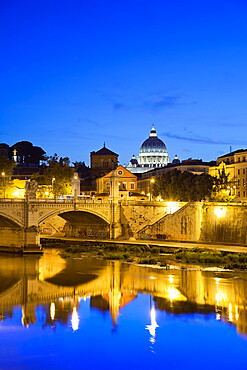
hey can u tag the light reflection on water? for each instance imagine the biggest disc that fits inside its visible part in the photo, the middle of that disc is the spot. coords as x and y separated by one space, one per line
118 315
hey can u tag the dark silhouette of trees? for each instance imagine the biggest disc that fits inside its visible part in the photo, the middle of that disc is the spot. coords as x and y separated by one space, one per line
183 186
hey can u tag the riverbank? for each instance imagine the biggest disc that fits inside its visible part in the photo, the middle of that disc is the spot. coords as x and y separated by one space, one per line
157 254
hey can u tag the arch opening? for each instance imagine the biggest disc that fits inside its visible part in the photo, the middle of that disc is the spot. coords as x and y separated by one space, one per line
76 224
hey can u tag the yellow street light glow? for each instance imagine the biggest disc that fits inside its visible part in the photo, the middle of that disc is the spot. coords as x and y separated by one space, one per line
47 193
220 212
172 207
152 180
3 173
53 179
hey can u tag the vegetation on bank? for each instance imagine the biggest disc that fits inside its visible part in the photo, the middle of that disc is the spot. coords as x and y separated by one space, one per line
150 255
227 260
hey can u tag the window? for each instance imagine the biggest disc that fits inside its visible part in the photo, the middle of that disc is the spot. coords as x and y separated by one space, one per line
243 182
238 172
105 164
132 186
238 159
243 193
238 193
243 171
243 159
124 184
238 182
107 186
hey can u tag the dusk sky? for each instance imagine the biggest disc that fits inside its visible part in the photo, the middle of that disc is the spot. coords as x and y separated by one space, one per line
77 73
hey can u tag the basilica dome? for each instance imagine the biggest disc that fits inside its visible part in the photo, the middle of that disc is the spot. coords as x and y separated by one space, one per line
152 154
153 144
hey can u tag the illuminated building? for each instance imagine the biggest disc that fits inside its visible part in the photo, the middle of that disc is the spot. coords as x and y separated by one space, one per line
233 167
127 182
152 154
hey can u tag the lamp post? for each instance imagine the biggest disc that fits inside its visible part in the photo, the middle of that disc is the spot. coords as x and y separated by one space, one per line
3 175
52 181
152 181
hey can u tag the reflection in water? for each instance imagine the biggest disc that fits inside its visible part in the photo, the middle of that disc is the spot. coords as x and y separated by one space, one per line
59 286
152 328
75 319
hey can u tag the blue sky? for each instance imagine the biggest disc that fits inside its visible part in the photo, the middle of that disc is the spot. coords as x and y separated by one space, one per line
77 73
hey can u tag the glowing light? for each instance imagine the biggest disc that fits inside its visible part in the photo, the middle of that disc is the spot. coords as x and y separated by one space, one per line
152 328
3 173
75 177
152 180
217 298
171 279
220 212
217 316
75 319
47 193
52 310
173 293
236 313
230 312
172 207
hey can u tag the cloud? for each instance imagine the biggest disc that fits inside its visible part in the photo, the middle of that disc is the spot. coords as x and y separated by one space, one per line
202 140
153 103
162 102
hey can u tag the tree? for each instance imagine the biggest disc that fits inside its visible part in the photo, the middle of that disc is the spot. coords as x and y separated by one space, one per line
183 186
6 171
56 175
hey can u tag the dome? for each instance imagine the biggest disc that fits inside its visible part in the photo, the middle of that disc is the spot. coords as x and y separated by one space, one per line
153 144
176 160
133 161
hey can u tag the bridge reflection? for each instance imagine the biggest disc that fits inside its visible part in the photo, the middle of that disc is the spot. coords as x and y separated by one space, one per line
59 286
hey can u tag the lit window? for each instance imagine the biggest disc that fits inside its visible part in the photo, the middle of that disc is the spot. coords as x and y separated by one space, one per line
132 185
124 184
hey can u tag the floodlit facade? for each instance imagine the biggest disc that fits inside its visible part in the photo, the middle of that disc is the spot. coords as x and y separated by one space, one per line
153 154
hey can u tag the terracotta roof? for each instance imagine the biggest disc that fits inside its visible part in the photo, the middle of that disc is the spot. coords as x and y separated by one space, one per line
104 151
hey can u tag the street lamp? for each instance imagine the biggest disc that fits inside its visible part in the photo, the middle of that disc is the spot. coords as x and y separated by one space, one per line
52 181
3 175
152 181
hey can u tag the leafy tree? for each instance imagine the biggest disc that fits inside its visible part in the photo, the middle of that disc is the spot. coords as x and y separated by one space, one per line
183 186
56 175
6 171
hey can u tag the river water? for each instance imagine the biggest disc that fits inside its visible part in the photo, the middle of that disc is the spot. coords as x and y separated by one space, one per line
92 314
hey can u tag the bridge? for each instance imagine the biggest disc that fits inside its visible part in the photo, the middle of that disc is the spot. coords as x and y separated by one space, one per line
21 219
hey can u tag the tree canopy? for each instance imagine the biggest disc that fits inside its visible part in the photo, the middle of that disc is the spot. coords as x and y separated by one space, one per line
6 170
183 186
57 174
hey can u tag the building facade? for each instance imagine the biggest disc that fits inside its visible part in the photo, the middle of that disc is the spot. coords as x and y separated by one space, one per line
102 162
152 154
127 183
234 167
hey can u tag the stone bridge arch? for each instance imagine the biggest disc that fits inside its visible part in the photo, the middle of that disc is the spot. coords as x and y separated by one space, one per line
59 212
9 221
79 222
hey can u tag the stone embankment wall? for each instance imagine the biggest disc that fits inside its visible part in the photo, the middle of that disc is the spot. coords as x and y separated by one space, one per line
224 223
202 222
184 225
135 215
